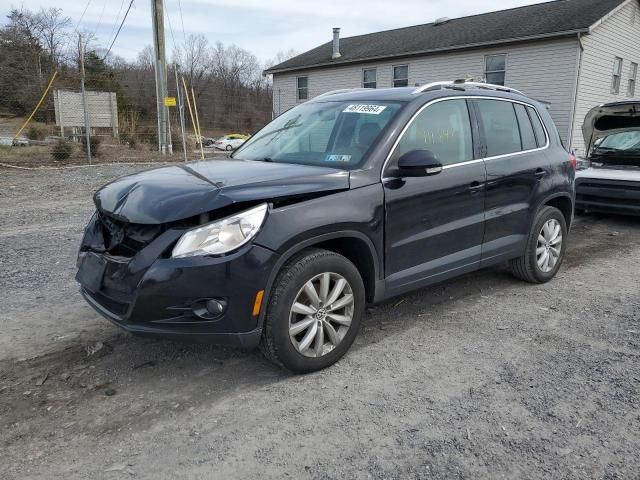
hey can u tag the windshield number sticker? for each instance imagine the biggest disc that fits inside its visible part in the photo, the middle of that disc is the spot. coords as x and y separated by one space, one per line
370 109
338 158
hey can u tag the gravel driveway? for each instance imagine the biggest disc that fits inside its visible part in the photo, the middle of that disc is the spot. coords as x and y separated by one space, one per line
479 377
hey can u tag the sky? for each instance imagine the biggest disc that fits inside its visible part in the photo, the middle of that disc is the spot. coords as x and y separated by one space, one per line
263 27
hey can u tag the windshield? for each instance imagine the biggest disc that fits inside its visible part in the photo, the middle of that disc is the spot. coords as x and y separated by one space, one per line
328 134
619 142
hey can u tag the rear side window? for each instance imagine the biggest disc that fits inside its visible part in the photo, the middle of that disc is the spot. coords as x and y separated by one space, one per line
500 127
541 137
444 128
526 129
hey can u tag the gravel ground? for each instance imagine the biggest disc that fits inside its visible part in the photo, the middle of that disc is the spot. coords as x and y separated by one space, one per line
479 377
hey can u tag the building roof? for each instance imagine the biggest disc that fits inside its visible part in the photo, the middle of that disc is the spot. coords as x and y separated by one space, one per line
543 20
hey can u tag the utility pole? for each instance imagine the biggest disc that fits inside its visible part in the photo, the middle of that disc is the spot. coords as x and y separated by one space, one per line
160 65
87 129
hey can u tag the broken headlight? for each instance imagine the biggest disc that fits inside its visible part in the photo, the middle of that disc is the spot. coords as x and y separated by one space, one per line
221 236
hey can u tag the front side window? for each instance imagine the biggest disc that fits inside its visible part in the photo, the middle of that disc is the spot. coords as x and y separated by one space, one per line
633 75
328 134
401 76
444 128
495 68
369 79
303 88
617 72
500 126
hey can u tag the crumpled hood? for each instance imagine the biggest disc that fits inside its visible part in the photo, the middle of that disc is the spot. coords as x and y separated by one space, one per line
168 194
610 118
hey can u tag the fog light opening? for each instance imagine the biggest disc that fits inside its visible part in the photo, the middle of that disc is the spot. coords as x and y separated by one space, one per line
215 307
209 308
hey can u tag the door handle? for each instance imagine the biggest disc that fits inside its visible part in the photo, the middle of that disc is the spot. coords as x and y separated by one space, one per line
540 173
475 187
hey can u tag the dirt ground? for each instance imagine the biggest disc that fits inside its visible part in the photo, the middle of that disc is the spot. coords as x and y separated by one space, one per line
481 377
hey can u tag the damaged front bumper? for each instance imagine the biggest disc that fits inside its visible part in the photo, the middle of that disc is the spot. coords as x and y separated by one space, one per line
151 293
608 190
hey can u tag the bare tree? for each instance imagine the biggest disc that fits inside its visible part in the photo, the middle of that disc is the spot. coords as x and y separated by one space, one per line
281 56
53 32
235 67
194 60
145 58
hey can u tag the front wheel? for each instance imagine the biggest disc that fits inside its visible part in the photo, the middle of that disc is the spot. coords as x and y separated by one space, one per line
228 148
314 311
545 248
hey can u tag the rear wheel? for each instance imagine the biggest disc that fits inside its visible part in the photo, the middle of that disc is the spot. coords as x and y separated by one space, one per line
228 148
545 248
314 311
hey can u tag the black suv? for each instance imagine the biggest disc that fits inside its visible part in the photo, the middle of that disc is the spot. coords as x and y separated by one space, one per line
351 198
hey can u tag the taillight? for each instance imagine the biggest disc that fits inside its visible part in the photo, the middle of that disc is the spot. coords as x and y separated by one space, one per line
573 160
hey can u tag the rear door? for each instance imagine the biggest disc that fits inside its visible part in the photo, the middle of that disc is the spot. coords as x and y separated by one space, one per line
514 146
434 224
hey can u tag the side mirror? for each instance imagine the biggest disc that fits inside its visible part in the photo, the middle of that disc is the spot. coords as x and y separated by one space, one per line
419 163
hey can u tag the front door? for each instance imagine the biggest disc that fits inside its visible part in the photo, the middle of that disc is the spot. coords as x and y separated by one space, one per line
434 224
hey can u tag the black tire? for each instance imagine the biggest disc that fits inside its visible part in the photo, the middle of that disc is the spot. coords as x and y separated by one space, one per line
275 343
526 267
228 148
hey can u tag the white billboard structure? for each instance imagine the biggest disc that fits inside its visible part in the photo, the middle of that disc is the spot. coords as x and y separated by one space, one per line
102 107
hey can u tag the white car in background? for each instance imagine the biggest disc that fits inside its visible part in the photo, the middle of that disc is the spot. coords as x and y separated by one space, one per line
230 142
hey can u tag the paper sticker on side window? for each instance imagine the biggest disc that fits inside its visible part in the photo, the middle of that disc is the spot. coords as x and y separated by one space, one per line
370 109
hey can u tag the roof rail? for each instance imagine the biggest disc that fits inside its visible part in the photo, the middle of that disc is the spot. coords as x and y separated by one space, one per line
463 85
340 90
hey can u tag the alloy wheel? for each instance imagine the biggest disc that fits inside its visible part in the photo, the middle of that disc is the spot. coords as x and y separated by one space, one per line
321 314
549 245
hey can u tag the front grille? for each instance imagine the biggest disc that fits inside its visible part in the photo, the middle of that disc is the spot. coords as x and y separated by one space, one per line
608 193
126 239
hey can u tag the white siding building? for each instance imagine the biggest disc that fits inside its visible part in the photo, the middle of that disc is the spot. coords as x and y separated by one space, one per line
572 54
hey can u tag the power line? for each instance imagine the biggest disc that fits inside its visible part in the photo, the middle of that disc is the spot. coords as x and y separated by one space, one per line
81 17
119 28
182 22
104 5
113 29
75 30
173 38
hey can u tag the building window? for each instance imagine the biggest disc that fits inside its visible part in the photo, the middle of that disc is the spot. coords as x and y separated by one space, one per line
617 73
401 76
369 77
495 68
303 88
633 75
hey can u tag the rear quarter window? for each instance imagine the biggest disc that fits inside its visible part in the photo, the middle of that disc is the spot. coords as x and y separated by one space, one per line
541 137
526 128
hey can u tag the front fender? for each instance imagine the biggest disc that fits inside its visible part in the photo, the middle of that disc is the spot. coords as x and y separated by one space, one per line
356 214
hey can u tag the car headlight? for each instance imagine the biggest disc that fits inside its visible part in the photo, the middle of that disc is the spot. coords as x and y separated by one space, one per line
221 236
583 163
